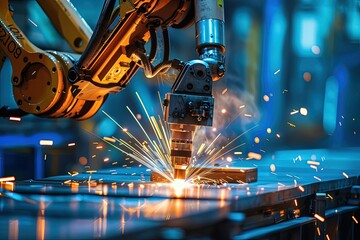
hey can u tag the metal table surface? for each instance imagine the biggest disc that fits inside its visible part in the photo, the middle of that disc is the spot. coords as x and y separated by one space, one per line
117 202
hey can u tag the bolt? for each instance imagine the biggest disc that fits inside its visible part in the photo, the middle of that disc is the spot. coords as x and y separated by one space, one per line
166 102
16 81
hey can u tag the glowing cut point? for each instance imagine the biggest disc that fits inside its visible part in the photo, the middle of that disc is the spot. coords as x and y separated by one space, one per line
178 186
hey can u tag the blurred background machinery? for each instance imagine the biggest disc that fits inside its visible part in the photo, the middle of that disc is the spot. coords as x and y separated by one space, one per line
292 69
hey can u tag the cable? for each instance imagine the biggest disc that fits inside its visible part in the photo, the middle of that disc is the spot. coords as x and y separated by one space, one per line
153 47
98 34
149 70
166 44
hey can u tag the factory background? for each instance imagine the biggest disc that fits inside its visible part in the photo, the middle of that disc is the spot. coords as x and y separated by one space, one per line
292 80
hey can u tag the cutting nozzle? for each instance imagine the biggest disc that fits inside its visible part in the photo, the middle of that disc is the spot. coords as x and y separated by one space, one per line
181 148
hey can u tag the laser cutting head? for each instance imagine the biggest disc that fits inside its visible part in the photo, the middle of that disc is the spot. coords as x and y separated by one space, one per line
189 105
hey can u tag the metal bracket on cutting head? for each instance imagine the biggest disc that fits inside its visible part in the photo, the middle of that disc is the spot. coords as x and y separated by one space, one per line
191 100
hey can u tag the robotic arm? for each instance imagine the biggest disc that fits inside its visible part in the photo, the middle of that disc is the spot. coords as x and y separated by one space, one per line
58 85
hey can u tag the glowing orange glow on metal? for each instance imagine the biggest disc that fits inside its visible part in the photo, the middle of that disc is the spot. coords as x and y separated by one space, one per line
40 227
14 229
7 179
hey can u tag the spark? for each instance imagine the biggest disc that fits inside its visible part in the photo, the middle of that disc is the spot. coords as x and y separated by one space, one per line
272 167
268 130
318 231
345 175
355 220
315 50
114 163
106 159
247 115
330 196
301 188
313 163
320 218
294 112
284 91
16 119
266 98
32 22
327 237
223 111
278 135
277 72
317 178
237 153
291 124
303 111
7 179
46 142
242 106
71 144
253 155
314 167
295 202
224 91
109 139
256 140
45 157
99 147
229 159
201 148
